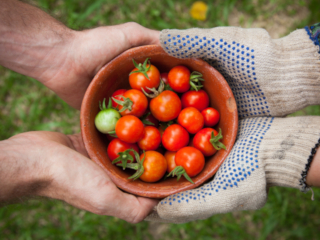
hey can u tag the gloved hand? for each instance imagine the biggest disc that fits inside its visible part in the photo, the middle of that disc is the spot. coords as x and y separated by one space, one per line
268 78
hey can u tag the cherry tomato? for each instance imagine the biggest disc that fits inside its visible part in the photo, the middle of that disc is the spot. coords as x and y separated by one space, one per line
191 119
164 77
170 160
191 159
117 95
151 139
138 80
155 166
203 141
211 116
179 79
166 106
139 103
197 99
129 129
175 137
117 145
106 120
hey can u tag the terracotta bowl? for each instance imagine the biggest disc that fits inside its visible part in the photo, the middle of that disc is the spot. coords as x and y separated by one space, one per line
113 76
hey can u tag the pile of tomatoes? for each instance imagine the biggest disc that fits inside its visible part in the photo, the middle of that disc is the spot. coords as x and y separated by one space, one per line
166 117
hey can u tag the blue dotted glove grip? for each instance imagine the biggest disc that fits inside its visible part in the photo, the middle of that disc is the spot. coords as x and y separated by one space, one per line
235 61
241 163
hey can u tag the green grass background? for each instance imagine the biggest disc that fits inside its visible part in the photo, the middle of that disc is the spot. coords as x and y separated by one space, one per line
26 105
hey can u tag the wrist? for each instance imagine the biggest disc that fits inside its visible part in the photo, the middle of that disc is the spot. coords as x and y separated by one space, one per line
286 151
22 173
312 177
32 43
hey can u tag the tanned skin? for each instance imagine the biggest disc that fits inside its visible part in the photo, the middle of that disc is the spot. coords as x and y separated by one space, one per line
49 164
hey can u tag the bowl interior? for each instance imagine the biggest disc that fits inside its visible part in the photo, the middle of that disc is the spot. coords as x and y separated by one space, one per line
114 76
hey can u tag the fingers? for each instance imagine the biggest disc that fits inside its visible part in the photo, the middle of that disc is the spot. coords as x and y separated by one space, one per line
128 207
80 182
92 190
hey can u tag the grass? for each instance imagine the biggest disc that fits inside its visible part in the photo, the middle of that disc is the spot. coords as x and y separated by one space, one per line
25 105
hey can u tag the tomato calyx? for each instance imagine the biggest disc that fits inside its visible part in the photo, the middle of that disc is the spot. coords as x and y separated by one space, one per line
103 106
142 68
215 141
126 103
124 157
154 91
135 166
195 81
179 171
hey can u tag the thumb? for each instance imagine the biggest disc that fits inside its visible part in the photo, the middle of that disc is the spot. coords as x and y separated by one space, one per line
138 35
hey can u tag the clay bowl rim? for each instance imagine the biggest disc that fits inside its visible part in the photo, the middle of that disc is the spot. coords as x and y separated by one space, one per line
138 187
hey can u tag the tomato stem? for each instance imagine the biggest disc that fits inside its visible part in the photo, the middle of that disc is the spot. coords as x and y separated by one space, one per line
179 171
135 166
126 103
154 91
215 141
195 81
103 106
124 157
142 68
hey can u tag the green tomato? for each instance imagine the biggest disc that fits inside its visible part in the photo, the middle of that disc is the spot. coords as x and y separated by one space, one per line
107 118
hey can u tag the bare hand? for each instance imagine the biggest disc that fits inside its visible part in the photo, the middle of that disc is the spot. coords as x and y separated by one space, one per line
89 51
57 166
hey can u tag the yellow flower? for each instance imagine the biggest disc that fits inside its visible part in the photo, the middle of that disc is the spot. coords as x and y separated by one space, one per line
198 10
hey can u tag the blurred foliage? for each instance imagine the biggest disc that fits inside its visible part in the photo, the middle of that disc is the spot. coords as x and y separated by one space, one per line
26 105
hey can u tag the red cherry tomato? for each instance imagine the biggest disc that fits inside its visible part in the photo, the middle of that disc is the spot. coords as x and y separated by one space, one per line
197 99
139 103
191 159
170 160
129 129
201 141
117 145
175 137
166 106
151 139
191 119
164 77
211 116
155 166
179 79
138 80
117 95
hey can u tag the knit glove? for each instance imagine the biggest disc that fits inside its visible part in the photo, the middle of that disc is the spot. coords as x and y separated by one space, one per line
268 152
268 78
